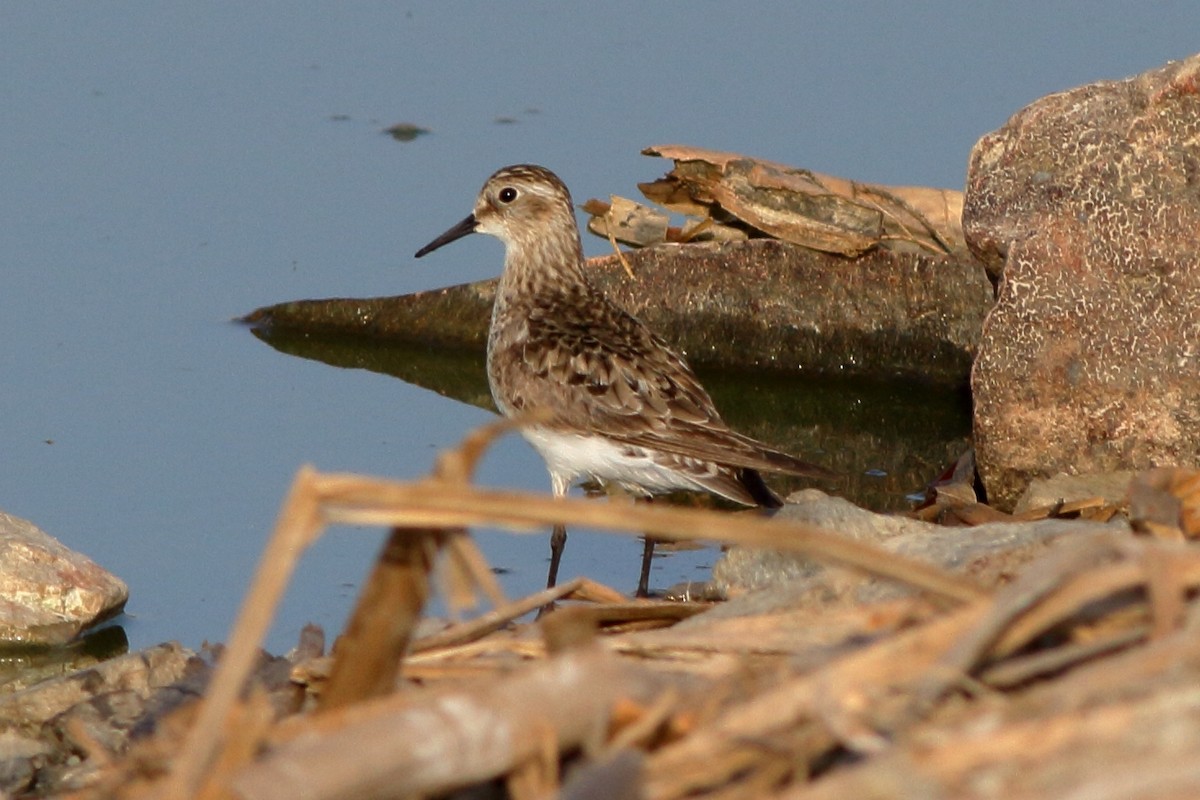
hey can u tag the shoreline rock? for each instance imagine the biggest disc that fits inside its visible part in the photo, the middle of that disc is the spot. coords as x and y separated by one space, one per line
1085 205
760 303
48 592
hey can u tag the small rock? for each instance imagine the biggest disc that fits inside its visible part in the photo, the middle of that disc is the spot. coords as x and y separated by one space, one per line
143 672
38 724
405 131
1084 205
1063 488
19 753
48 592
990 553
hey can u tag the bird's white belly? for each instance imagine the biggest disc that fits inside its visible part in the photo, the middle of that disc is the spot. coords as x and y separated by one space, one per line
569 456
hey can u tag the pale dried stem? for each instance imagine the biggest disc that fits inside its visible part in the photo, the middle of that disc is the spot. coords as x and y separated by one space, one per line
1071 594
715 754
476 650
494 620
450 503
354 499
245 729
367 658
298 525
620 255
471 571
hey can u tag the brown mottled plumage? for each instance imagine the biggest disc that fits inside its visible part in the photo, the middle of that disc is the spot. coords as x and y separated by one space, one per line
625 408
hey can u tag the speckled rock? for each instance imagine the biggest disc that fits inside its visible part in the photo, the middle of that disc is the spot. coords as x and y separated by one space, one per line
1087 204
48 592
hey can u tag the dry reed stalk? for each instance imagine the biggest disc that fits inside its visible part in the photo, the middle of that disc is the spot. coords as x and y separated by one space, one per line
1164 570
299 523
246 728
1020 670
432 676
449 739
642 723
517 645
448 503
1113 588
1149 744
614 615
595 592
391 601
1156 662
1068 728
494 620
357 500
865 681
569 627
804 632
1010 604
366 660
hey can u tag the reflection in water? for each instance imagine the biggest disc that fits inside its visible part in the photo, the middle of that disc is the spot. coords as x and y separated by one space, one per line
886 439
24 667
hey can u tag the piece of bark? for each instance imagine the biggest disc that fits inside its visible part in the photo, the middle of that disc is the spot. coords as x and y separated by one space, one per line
626 221
803 207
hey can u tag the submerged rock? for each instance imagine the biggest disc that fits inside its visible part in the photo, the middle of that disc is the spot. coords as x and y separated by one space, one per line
761 303
1085 206
48 592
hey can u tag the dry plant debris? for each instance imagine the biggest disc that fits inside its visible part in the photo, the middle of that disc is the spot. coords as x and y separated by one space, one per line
1165 503
1063 680
734 196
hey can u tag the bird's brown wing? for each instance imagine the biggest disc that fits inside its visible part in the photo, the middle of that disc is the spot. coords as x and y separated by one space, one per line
607 372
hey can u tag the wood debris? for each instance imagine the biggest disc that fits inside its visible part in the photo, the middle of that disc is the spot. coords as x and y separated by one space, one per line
1165 503
1075 676
734 197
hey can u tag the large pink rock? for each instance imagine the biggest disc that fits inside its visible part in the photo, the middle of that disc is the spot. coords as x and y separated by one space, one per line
1087 205
48 592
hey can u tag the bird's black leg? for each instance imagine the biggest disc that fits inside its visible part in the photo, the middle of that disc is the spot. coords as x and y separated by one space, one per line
643 589
558 542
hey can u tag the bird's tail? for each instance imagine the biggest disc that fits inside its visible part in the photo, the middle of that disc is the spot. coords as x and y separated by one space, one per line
758 489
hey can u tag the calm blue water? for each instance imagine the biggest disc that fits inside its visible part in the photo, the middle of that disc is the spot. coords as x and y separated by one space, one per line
166 167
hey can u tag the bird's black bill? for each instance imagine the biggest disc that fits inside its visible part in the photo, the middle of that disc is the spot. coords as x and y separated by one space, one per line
460 230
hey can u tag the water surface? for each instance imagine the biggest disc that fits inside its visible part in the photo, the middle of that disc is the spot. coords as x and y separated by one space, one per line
169 166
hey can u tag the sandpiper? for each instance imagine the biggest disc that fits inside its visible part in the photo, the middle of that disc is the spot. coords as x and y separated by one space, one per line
623 406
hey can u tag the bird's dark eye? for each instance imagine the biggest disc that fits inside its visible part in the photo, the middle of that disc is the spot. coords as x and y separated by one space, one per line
507 194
